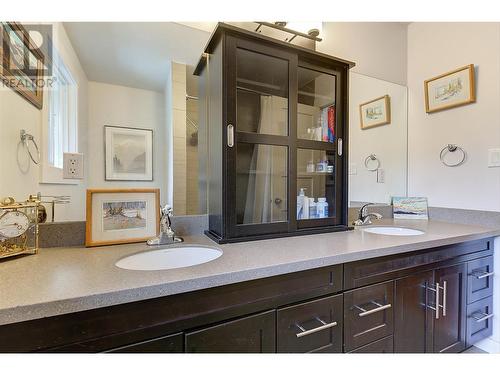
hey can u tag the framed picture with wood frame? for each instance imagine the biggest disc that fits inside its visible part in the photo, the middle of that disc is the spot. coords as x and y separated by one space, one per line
22 65
449 90
376 112
118 216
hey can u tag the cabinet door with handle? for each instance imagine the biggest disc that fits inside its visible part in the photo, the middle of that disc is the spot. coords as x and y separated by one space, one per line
314 326
413 318
450 314
368 314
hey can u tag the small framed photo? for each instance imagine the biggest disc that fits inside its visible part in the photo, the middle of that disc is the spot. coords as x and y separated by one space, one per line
117 216
410 208
128 154
450 90
376 112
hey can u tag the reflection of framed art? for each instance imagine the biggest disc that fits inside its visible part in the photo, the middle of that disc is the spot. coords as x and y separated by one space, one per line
116 216
376 112
450 90
128 154
21 63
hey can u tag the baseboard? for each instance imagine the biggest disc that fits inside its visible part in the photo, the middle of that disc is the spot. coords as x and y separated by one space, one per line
488 345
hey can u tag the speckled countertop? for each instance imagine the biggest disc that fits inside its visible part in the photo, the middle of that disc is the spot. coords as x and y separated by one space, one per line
63 280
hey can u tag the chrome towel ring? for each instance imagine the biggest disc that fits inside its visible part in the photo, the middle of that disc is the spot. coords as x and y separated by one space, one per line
25 139
452 148
372 158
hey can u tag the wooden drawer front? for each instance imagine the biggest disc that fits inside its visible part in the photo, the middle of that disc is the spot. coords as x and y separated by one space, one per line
314 326
370 271
385 345
368 314
479 279
168 344
479 320
253 334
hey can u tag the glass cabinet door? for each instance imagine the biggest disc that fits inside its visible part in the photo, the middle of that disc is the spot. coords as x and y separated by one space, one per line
317 182
260 156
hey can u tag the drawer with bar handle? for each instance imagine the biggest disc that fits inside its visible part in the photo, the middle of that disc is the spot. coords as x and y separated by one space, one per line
368 314
311 327
479 320
479 279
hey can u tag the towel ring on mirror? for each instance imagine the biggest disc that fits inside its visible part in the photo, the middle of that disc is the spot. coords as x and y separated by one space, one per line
372 157
25 138
452 148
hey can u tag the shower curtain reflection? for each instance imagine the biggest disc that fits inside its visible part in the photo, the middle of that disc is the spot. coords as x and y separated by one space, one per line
266 197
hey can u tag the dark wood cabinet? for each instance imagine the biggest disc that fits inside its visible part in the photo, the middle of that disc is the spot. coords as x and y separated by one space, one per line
450 322
277 132
385 345
413 319
253 334
311 327
407 303
368 314
168 344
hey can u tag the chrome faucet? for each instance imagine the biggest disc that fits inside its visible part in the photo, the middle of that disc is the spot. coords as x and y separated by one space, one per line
167 235
364 218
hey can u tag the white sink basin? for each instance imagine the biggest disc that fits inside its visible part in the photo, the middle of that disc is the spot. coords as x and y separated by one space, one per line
169 258
394 231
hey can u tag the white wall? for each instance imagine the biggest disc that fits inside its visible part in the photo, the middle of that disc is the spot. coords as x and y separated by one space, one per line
128 107
18 176
435 48
377 48
387 142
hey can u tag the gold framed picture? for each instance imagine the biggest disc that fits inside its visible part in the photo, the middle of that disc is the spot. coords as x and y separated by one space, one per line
376 112
117 216
21 63
450 89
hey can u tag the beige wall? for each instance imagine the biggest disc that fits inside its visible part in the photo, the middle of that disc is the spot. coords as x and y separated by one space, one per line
387 142
128 107
435 48
377 48
18 176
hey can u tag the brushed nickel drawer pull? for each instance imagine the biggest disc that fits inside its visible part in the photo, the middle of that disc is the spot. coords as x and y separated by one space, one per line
481 317
324 325
444 298
372 311
482 275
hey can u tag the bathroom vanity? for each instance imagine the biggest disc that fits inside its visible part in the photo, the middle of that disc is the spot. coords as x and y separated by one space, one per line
276 118
340 292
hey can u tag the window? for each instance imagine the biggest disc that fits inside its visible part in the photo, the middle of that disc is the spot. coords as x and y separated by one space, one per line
62 121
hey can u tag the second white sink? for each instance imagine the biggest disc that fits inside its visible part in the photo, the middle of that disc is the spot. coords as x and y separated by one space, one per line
394 231
169 258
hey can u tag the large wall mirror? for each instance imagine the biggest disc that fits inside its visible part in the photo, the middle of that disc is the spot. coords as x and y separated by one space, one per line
378 132
139 76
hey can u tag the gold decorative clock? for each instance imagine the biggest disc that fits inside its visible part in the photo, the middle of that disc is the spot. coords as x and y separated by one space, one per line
18 227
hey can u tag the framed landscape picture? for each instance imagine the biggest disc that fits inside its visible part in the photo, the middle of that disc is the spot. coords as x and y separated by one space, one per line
117 216
450 90
128 154
376 112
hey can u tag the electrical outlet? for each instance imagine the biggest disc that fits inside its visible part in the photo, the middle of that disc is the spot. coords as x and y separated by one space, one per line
494 157
380 176
73 166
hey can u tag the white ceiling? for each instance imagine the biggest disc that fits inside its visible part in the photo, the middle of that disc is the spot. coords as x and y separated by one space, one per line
134 54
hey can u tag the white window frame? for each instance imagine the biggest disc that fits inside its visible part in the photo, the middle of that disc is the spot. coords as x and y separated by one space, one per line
52 171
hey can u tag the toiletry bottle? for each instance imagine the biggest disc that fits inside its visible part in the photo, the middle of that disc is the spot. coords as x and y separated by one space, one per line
310 167
322 208
312 209
302 205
